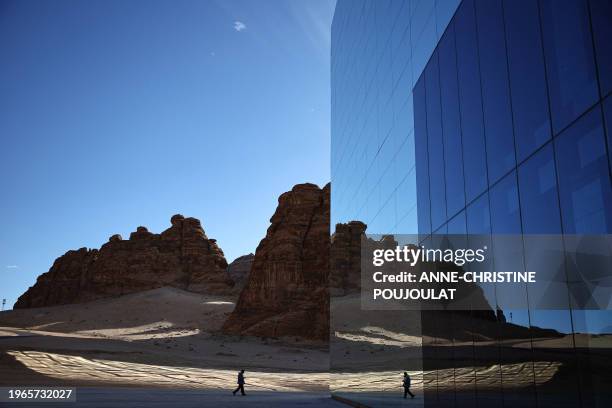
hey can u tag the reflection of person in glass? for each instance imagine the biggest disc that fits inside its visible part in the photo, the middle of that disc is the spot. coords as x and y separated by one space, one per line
240 383
406 384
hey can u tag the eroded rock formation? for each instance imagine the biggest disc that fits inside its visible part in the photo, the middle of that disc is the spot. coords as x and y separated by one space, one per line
287 291
239 271
345 272
182 256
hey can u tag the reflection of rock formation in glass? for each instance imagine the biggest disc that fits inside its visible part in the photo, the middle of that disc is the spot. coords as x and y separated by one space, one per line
345 262
287 291
182 256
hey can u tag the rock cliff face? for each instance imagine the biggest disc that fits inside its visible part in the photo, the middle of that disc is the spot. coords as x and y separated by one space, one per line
239 271
181 256
287 291
345 273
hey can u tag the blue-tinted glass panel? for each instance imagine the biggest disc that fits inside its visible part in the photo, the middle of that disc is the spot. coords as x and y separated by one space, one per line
607 108
538 194
474 154
421 157
558 320
453 155
478 218
443 230
527 76
437 184
592 321
570 64
505 213
601 17
479 226
495 89
584 177
457 224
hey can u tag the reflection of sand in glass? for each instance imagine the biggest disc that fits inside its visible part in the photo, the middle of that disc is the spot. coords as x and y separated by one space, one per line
508 351
370 350
451 355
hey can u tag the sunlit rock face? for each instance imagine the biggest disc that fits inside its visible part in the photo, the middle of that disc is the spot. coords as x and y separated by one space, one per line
182 256
287 291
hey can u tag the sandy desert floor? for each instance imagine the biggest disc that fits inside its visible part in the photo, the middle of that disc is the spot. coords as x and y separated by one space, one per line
160 338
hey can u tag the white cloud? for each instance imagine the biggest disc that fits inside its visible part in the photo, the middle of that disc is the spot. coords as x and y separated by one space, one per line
239 26
11 266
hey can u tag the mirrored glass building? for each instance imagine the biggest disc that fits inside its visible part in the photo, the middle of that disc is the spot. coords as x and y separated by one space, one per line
475 117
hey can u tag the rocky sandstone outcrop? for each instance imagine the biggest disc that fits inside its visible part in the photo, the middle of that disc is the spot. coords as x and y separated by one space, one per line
345 264
182 256
287 291
239 271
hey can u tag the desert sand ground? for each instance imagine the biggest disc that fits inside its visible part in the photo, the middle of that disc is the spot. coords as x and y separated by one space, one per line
163 338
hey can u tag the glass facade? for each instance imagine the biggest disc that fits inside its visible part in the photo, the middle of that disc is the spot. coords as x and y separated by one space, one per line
540 113
483 117
535 151
379 49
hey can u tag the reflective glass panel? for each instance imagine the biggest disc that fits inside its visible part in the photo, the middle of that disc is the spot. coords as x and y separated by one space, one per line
570 64
527 76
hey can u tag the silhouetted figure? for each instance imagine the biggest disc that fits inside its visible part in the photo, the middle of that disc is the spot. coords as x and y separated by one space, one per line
406 384
240 383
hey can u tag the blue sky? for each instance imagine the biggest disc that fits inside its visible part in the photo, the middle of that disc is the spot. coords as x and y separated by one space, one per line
115 114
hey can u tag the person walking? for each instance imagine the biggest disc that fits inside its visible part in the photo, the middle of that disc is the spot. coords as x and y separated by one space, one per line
406 384
240 383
